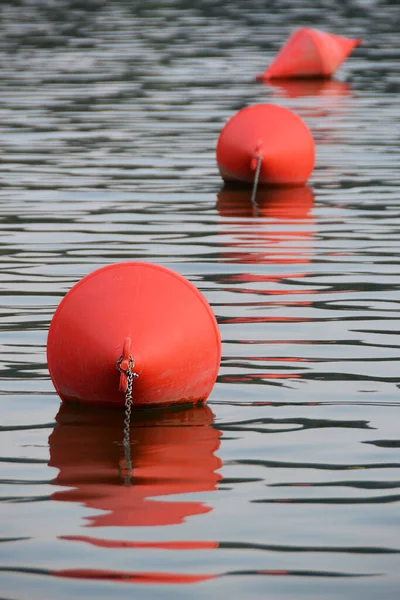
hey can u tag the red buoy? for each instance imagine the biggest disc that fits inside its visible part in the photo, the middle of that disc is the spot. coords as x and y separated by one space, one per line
269 142
310 53
139 317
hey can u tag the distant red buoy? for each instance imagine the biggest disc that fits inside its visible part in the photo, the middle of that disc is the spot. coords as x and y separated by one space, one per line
138 312
272 134
310 53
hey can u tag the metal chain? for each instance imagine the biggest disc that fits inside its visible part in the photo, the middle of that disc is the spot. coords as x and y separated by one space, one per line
256 177
130 374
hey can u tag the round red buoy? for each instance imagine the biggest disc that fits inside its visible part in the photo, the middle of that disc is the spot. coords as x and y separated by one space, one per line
141 316
274 134
310 53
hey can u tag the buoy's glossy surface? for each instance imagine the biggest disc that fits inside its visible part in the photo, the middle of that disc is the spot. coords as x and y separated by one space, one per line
275 133
172 332
309 53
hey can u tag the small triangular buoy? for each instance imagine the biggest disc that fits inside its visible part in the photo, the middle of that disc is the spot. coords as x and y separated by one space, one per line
309 53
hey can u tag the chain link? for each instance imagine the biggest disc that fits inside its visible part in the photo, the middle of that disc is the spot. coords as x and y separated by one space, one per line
256 177
130 374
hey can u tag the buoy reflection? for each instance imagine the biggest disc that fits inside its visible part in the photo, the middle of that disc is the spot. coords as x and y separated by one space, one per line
276 203
299 88
173 452
272 238
282 239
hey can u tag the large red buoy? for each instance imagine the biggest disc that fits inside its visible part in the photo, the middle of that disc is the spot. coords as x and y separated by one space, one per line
141 319
266 142
310 53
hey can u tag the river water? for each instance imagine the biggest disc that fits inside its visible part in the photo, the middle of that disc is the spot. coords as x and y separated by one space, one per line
286 486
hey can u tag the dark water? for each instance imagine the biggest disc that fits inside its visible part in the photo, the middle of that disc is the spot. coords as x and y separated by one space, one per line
288 484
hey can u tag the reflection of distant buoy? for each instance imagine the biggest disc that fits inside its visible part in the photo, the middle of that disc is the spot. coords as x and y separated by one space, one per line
310 53
275 203
133 576
298 88
154 319
269 140
280 229
172 453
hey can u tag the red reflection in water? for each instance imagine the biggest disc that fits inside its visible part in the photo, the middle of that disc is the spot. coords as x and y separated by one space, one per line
276 229
286 236
298 88
172 453
138 577
172 578
289 203
170 545
131 577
